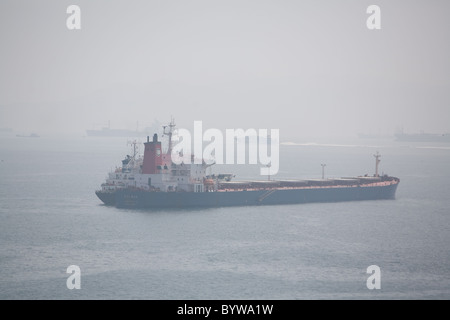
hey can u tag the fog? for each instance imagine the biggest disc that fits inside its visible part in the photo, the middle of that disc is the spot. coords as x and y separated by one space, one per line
308 68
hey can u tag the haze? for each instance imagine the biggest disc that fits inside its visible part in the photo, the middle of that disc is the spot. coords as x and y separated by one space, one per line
308 68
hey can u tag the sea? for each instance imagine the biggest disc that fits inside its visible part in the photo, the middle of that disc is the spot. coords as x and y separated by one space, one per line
51 219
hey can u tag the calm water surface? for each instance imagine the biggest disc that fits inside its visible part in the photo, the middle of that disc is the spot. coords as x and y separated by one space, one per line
50 218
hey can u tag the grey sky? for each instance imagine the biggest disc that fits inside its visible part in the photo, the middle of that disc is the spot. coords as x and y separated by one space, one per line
309 68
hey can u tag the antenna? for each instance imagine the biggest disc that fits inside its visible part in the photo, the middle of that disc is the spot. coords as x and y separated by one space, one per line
377 162
133 143
209 166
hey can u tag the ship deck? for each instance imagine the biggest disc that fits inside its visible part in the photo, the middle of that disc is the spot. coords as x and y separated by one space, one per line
237 188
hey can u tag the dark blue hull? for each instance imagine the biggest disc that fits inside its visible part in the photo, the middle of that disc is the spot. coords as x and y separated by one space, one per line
129 198
108 198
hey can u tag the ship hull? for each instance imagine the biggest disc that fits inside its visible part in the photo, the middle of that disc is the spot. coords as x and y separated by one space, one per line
108 198
129 198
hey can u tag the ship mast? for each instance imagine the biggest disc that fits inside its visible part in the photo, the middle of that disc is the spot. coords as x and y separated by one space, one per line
133 143
377 162
323 170
168 130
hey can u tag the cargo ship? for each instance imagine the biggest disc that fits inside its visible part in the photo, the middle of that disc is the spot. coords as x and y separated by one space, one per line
32 135
155 181
423 137
109 132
